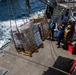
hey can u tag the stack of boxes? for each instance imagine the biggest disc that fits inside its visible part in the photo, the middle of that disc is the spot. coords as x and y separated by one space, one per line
37 35
44 28
27 38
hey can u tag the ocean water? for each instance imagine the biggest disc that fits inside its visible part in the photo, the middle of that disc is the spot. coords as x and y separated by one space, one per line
20 14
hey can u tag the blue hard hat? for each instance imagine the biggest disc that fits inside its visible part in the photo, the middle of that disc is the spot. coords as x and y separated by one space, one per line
52 21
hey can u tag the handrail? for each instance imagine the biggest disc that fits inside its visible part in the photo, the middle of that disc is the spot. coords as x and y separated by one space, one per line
72 15
63 5
55 11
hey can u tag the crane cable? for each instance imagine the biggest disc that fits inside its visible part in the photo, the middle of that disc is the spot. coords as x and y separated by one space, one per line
16 26
24 13
19 12
21 9
10 22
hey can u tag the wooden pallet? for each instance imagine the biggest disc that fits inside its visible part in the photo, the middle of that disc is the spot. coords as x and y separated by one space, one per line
30 53
26 53
41 46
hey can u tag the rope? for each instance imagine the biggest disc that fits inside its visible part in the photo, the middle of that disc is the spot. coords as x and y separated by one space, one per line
54 49
51 52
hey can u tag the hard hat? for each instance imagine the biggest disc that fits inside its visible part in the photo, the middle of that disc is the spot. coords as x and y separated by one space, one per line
52 20
69 26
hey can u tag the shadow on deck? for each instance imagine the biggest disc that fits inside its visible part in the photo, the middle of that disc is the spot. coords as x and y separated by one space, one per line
62 64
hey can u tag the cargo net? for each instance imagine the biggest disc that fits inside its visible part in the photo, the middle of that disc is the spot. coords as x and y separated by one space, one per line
27 38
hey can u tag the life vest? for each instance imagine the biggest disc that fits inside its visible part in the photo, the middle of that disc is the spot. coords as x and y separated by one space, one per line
66 33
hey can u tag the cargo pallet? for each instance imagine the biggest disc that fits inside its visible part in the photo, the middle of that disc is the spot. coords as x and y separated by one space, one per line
30 53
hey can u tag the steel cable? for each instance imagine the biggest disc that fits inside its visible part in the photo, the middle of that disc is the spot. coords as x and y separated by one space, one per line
10 21
16 26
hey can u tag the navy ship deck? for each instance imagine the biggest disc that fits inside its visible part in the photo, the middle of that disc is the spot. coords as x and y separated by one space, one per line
46 58
50 60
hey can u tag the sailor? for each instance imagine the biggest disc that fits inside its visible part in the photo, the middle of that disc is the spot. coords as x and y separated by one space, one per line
52 27
68 23
60 35
67 36
64 22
